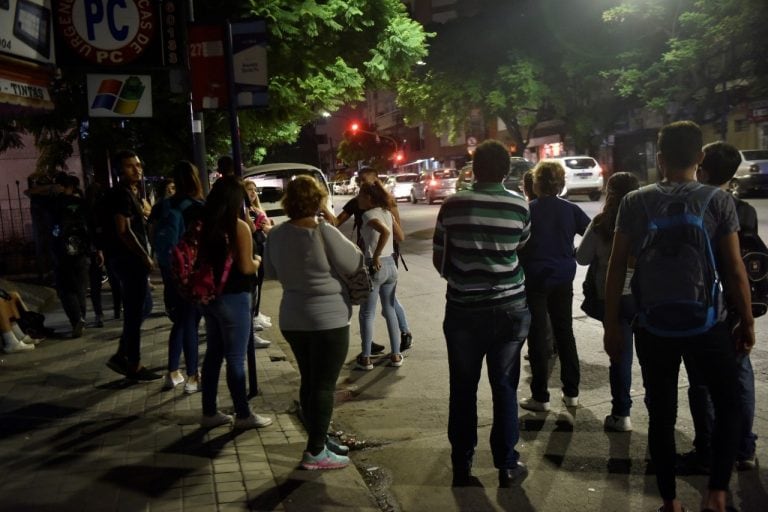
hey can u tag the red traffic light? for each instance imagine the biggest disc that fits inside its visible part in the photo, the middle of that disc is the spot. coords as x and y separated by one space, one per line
399 156
354 127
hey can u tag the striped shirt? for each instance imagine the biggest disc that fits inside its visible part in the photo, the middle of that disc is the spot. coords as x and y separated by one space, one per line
482 229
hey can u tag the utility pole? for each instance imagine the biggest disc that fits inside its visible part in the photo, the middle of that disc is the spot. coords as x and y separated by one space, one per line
196 123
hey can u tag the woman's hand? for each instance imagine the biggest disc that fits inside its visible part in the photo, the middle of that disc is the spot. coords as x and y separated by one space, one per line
376 264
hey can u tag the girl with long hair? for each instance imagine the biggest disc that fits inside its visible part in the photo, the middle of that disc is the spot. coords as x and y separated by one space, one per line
595 249
187 200
377 230
226 235
261 228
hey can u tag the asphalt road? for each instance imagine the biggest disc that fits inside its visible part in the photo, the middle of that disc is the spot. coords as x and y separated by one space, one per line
401 415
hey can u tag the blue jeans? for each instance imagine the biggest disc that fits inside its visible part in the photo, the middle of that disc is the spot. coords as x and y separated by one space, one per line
185 318
384 283
135 289
703 412
710 360
620 371
496 334
227 322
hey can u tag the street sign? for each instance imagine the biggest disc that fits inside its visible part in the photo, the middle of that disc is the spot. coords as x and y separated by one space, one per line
249 62
208 67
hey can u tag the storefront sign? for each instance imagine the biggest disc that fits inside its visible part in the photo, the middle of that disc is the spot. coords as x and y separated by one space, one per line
26 30
119 96
108 33
24 94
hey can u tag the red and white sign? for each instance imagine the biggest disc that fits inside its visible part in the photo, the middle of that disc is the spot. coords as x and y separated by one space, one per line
208 67
107 32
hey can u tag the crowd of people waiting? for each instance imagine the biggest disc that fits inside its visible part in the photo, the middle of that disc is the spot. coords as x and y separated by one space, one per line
509 262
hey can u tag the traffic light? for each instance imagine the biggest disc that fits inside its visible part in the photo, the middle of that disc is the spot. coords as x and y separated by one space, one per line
354 127
399 157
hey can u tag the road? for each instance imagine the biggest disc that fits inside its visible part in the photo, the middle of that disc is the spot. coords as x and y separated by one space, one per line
401 414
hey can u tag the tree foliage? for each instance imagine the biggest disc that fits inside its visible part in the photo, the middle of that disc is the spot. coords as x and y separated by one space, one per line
680 56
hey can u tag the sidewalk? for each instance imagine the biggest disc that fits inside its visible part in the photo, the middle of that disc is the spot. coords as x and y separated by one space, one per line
76 436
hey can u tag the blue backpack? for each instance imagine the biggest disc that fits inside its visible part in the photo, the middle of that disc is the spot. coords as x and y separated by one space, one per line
676 285
169 228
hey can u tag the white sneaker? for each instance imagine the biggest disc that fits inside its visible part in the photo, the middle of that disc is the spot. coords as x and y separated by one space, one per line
13 346
530 404
571 401
216 420
618 423
172 379
263 320
29 340
259 342
253 421
193 384
257 327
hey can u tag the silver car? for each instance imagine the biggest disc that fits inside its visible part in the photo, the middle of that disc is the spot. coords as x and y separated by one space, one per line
752 174
272 179
434 185
583 175
402 185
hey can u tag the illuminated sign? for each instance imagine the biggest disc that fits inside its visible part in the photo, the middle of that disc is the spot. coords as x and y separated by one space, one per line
119 96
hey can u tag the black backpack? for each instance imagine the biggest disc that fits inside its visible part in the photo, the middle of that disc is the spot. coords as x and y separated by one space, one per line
71 229
754 253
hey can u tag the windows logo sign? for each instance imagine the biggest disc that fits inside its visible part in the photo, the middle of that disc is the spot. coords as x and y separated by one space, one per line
119 96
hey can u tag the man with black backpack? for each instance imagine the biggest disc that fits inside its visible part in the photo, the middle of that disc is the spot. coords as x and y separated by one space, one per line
717 169
679 233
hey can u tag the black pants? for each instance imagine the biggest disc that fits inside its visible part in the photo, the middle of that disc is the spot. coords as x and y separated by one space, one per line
94 276
557 302
711 359
71 285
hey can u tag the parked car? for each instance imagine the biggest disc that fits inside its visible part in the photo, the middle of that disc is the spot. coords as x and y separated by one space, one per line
434 185
402 184
517 167
340 187
272 179
752 174
583 175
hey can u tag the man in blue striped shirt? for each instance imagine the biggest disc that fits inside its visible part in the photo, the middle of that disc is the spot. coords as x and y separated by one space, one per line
477 235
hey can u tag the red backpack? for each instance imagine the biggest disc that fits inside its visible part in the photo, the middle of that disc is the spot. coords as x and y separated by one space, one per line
194 276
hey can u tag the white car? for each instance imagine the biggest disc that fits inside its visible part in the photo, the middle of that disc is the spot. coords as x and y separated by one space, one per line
583 175
340 187
752 174
402 185
272 179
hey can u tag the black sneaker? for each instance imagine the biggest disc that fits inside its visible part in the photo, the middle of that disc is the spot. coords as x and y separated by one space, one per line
376 348
118 364
143 375
78 328
692 463
406 340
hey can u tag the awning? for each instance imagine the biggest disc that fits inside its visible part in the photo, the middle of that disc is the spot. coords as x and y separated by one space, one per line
24 88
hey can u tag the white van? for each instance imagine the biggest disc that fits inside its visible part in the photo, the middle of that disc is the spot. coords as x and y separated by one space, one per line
271 180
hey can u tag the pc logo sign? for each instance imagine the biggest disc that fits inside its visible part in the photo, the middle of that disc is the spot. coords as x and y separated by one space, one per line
107 32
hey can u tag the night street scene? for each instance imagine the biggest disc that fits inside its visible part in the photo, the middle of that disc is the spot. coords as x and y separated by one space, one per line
383 255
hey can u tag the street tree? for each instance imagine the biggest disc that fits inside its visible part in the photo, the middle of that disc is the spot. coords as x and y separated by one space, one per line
691 58
523 62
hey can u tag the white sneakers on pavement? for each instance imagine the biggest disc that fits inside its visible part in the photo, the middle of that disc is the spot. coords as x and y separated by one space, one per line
530 404
259 342
263 320
253 421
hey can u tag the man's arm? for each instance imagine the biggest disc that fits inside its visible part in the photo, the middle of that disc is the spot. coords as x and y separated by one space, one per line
614 284
737 288
126 236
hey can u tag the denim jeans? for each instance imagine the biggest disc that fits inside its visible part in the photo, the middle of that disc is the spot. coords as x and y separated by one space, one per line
557 302
620 371
711 360
185 318
384 283
496 335
135 289
703 412
402 321
227 323
319 356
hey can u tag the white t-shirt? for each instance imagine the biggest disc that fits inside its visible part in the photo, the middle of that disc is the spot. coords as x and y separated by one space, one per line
371 236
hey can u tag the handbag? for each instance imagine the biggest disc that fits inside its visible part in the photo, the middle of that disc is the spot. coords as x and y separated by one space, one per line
359 284
592 305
